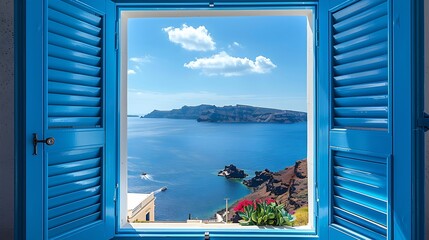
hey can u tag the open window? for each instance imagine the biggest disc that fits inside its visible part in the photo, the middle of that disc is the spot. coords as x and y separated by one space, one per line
217 110
361 122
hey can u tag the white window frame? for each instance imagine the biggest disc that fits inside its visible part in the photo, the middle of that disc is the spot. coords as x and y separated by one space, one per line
309 13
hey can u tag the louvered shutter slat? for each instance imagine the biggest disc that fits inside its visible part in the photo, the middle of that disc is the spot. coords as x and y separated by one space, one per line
70 226
358 228
62 200
362 18
73 166
76 12
75 215
72 33
363 53
73 156
360 209
361 42
73 177
365 223
76 122
73 22
68 54
73 78
73 187
367 89
73 111
376 75
361 101
73 67
71 207
61 41
369 200
361 66
356 8
77 90
72 100
374 112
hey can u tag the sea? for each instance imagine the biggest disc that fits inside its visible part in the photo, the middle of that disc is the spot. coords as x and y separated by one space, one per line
185 156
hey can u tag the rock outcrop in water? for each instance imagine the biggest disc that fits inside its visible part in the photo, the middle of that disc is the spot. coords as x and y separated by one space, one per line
238 113
232 171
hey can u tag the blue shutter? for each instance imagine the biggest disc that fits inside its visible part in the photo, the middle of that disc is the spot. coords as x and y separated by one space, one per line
359 139
77 194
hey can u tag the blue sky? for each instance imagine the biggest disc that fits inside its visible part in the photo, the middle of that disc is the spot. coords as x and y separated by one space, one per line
258 61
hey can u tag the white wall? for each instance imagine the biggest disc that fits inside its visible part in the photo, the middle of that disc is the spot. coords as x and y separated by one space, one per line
6 119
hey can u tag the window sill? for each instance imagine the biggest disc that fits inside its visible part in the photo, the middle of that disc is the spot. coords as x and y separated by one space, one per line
184 225
217 231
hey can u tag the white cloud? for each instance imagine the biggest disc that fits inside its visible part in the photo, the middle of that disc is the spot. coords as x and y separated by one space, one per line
131 72
228 66
141 60
234 45
190 38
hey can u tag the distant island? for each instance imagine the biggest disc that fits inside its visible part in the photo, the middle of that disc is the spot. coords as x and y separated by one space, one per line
237 113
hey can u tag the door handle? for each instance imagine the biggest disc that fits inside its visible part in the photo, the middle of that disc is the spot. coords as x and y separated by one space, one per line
48 141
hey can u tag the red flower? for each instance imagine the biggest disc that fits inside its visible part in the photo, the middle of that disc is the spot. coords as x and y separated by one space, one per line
270 200
240 206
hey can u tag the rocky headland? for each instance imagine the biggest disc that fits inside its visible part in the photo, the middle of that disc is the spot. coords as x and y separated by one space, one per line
288 187
237 113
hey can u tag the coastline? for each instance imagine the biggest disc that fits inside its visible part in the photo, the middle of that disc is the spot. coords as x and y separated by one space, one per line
288 186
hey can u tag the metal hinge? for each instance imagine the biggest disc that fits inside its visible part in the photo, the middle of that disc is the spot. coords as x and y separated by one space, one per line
115 193
423 122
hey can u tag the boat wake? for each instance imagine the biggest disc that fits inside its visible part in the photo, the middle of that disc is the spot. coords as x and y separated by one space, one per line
149 177
146 177
160 190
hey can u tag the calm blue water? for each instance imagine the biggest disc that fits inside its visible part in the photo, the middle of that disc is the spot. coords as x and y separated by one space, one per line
185 156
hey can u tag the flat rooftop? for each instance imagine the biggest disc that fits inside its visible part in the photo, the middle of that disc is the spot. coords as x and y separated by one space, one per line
134 199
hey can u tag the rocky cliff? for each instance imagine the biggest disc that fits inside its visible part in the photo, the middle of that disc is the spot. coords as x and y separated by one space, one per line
238 113
288 187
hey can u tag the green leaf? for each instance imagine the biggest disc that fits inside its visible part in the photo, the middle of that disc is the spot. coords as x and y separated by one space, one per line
245 223
254 217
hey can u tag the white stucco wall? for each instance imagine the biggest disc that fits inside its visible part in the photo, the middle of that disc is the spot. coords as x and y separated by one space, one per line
6 119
